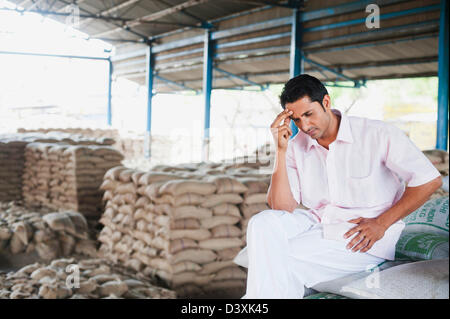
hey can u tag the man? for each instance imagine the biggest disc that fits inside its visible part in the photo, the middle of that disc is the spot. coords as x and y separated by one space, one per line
351 172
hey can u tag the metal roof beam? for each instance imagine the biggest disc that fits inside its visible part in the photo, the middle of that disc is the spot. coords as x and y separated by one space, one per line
173 83
110 10
125 29
156 15
239 77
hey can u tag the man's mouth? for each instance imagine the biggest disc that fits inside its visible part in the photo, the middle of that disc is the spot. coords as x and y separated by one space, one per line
310 132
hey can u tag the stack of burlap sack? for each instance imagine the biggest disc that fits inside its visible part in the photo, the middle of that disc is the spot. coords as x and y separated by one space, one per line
11 169
12 157
63 176
59 280
50 235
74 136
182 226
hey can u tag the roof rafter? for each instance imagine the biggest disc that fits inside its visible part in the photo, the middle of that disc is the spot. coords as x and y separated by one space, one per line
155 16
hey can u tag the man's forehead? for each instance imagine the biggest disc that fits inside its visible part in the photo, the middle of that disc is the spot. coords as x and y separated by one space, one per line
300 106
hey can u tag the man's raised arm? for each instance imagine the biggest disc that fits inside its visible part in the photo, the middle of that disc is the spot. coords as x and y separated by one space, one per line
279 195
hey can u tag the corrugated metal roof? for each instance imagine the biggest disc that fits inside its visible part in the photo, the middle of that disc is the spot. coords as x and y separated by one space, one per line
253 39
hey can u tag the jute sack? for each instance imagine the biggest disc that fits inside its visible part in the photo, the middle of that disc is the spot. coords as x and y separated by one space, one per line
179 187
256 198
190 212
199 256
249 210
432 217
185 199
114 173
177 245
227 184
218 285
220 243
227 254
185 223
185 266
226 209
190 277
226 231
254 185
421 246
233 272
217 199
196 234
215 266
156 177
218 220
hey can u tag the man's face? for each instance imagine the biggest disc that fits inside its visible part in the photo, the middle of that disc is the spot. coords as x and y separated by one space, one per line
310 117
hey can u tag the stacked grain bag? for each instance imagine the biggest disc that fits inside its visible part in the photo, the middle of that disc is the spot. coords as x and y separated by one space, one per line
254 199
97 279
11 168
49 235
67 176
440 160
178 226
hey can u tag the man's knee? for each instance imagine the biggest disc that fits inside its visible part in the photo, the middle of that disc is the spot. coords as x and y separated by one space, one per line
263 219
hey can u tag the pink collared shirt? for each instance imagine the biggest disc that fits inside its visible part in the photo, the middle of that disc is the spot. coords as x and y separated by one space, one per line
363 174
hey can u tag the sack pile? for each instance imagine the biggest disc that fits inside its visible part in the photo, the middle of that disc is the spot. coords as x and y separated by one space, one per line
49 235
97 279
67 176
177 226
440 160
254 199
87 135
11 169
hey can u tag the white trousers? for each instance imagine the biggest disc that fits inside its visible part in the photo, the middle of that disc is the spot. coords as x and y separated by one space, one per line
287 251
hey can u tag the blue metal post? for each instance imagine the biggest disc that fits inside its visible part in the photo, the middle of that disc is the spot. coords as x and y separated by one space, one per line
208 56
442 123
149 78
110 68
297 65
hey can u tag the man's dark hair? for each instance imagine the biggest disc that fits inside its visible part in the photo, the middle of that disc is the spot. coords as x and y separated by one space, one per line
301 86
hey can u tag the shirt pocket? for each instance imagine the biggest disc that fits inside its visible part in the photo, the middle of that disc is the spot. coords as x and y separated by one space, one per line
361 191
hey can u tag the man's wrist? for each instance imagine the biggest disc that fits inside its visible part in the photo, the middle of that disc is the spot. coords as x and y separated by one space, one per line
383 221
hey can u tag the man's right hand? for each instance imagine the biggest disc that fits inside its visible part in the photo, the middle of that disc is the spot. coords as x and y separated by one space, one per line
281 131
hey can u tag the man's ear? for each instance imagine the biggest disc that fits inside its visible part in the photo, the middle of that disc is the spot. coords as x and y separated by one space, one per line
326 102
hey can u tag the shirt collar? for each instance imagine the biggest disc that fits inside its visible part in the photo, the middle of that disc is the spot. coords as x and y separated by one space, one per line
344 132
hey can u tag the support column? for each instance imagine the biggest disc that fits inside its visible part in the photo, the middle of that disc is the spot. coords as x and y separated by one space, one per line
296 60
110 72
442 122
208 56
149 81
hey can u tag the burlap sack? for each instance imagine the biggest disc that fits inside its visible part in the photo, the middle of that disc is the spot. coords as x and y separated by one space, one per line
226 231
177 245
217 199
179 187
199 256
215 266
220 243
196 234
226 209
227 184
218 220
256 198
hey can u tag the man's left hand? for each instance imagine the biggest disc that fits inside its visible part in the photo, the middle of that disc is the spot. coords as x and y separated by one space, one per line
369 231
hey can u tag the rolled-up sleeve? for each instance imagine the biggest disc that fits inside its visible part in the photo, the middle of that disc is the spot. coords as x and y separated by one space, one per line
292 172
405 159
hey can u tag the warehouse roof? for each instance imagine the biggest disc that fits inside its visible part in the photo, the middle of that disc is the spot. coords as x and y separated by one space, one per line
252 38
